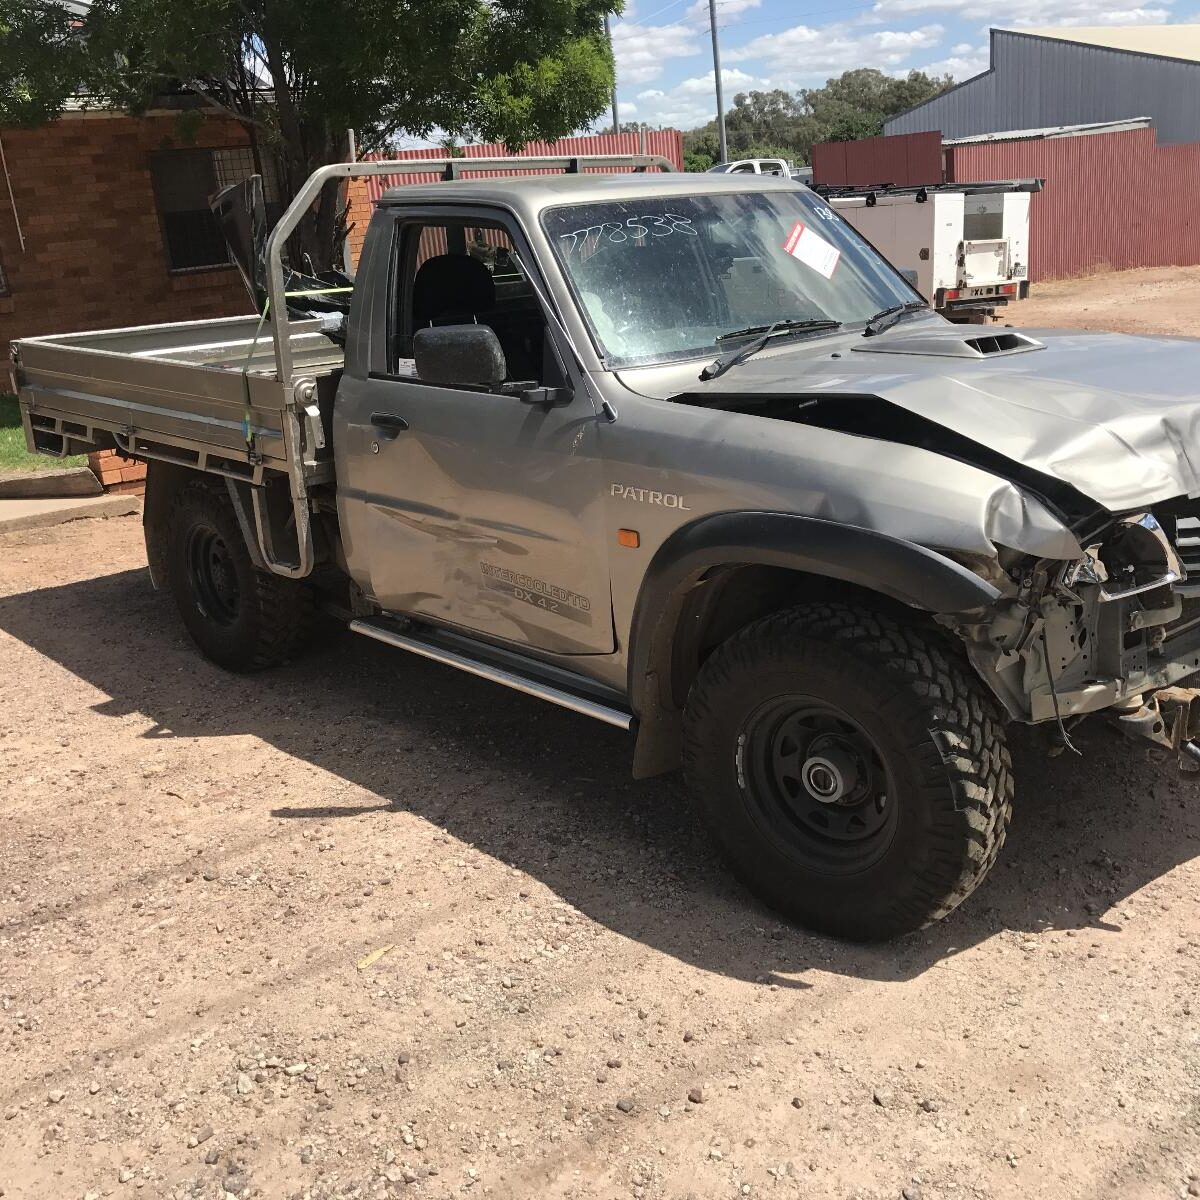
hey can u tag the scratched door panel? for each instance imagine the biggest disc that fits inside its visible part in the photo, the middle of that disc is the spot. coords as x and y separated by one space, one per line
488 514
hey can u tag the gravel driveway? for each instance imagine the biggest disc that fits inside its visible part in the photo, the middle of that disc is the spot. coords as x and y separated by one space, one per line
366 927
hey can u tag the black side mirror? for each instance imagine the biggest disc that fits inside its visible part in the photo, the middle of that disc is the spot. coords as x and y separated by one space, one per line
468 355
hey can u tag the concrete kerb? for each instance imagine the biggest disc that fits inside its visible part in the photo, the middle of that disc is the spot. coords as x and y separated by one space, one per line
43 513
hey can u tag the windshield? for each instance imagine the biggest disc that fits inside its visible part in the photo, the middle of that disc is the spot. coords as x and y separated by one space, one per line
664 277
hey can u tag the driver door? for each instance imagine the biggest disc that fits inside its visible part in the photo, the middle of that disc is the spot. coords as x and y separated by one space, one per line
473 509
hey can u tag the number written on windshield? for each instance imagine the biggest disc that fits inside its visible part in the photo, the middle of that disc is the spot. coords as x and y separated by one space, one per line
634 229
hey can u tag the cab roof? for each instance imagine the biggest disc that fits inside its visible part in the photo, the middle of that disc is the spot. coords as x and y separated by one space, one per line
530 194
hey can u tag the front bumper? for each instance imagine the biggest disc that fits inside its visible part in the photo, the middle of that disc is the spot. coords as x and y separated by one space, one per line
1117 625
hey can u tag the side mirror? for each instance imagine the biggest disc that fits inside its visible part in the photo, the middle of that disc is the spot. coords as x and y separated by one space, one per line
910 274
468 355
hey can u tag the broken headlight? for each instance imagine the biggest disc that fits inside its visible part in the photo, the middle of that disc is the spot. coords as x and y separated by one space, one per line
1136 557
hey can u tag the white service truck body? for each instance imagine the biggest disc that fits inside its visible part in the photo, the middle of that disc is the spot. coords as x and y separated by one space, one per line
967 250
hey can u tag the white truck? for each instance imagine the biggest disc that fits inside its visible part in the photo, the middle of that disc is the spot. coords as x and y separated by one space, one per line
964 246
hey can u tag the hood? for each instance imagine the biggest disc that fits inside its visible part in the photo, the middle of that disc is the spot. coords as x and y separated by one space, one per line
1114 416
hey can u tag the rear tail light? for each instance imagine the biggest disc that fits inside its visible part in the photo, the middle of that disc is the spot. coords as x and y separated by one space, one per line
952 294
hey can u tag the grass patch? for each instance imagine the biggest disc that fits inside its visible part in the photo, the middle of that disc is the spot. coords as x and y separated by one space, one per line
13 455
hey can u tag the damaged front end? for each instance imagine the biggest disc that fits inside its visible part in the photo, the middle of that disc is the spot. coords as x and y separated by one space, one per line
1113 631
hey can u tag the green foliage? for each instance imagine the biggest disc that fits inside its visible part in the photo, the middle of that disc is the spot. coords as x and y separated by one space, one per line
14 457
299 73
856 104
694 160
41 61
778 124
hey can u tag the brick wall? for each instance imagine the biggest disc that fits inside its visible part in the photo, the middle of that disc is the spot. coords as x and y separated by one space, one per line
118 473
94 256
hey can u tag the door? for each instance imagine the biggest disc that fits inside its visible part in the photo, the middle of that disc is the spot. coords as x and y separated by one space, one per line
461 505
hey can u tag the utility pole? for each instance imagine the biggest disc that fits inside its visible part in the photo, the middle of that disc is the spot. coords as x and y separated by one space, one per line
712 24
608 35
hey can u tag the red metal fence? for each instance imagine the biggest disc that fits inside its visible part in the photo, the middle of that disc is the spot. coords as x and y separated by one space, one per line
1112 200
902 160
667 142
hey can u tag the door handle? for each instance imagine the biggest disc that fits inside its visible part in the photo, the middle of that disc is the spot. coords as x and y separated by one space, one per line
392 422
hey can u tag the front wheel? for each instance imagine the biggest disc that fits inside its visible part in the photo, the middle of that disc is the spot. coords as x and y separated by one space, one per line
855 775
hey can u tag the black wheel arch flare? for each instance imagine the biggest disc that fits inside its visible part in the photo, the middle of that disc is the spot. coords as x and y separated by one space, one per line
913 575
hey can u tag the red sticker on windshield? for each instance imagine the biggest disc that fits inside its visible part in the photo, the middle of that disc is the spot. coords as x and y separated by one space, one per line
812 250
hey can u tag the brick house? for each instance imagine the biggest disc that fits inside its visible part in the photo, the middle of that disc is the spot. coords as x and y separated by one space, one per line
104 222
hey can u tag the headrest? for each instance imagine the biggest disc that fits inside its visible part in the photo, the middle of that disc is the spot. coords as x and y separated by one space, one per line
451 285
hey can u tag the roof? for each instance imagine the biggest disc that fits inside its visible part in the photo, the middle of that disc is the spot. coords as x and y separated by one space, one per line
1164 41
529 194
1052 131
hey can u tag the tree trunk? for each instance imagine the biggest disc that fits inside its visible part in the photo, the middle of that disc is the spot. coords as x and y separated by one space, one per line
316 245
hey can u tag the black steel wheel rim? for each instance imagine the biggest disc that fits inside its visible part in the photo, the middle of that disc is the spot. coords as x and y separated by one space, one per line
213 575
816 783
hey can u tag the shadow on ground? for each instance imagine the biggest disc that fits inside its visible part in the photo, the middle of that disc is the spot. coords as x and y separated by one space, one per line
550 792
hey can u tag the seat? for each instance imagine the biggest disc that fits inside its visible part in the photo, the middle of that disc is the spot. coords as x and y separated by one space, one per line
451 289
456 289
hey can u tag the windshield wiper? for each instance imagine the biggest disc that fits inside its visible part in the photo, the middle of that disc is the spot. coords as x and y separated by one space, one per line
887 317
767 332
784 324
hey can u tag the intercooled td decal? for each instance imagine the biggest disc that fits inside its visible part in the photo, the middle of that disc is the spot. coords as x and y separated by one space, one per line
646 496
547 596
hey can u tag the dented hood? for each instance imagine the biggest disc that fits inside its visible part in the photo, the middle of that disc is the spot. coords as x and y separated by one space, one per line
1115 416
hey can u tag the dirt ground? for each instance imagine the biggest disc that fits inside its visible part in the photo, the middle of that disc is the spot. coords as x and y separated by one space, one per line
1153 300
363 927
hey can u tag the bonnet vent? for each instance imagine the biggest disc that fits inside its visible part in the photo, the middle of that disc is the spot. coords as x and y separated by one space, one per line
952 344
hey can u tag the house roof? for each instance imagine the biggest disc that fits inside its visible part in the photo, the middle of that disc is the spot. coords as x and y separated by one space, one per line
1052 131
1165 41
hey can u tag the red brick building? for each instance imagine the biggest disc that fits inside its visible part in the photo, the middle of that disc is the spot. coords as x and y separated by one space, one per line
104 222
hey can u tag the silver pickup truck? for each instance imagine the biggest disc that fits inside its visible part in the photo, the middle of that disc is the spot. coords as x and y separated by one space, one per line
686 455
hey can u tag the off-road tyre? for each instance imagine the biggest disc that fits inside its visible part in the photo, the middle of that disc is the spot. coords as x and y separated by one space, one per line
242 619
935 745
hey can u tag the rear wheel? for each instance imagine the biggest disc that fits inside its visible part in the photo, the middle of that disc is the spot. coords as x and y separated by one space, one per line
855 775
242 618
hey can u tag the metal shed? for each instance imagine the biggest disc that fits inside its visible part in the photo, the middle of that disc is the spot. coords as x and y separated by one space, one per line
1049 77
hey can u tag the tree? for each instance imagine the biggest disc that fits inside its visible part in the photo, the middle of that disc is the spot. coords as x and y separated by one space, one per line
299 73
856 104
774 118
778 124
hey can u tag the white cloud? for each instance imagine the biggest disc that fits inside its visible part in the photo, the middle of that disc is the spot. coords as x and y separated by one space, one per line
1128 16
1017 13
725 9
693 101
643 51
702 85
963 62
802 55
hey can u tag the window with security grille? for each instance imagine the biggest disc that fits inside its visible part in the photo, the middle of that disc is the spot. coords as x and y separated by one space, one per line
5 290
184 180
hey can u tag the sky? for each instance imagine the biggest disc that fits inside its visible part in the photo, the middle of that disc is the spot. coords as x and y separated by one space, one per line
664 52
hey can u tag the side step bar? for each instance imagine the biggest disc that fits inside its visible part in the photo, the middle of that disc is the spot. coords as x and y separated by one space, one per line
520 683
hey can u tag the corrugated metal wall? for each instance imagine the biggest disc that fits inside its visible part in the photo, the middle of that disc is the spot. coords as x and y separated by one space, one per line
915 158
1036 82
667 142
1112 200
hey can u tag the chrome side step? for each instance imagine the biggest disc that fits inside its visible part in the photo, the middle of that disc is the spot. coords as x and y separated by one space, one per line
520 683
